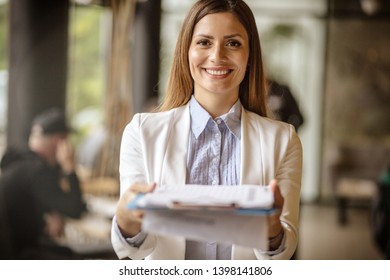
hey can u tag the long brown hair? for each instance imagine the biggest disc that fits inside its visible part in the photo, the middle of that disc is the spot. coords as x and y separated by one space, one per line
180 87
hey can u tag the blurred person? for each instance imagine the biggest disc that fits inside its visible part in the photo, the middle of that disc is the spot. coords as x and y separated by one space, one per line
211 129
380 217
283 104
39 189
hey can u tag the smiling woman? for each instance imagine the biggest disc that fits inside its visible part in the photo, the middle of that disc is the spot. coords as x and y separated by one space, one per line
211 129
218 57
180 82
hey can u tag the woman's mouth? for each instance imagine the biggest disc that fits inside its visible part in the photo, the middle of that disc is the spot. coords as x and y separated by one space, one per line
218 72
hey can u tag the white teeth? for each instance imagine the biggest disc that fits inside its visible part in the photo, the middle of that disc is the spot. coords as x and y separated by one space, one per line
217 72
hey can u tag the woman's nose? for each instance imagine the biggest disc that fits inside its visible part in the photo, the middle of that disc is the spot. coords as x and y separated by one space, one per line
217 54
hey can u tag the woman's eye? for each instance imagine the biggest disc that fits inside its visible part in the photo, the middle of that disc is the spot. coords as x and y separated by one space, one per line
203 43
234 44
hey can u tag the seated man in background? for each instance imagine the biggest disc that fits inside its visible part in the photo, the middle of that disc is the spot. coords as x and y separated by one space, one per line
38 188
283 105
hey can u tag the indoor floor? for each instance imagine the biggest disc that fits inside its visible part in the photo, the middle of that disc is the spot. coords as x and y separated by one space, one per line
322 238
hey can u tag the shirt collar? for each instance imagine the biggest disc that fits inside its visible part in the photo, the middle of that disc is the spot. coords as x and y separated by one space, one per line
200 118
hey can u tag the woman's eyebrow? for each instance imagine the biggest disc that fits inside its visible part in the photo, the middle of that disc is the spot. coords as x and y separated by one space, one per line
212 37
233 35
204 36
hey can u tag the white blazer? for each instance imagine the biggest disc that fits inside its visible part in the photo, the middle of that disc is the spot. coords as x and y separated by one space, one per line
154 149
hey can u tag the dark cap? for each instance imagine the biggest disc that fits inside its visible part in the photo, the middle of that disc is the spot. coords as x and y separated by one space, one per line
52 121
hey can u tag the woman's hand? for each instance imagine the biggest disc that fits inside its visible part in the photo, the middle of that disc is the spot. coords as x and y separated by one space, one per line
129 221
275 228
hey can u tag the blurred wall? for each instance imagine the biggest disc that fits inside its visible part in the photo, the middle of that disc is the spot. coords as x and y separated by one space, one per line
357 93
38 43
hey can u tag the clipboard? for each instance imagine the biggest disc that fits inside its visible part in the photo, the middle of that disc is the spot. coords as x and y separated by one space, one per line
240 199
230 214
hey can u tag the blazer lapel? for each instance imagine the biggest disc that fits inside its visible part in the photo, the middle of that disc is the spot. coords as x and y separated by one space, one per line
174 169
252 153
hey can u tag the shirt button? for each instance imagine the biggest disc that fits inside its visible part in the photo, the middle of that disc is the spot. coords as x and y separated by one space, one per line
218 121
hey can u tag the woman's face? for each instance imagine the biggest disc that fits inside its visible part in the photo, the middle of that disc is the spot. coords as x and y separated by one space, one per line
218 56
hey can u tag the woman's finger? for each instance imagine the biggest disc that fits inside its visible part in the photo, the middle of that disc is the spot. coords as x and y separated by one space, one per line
278 198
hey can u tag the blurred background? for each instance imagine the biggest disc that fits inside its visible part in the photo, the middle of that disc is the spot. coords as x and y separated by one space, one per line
104 60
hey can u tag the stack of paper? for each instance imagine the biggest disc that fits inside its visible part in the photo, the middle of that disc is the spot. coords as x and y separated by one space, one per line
226 214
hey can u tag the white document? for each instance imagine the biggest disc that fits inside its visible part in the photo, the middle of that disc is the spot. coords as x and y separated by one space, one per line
226 214
237 196
220 226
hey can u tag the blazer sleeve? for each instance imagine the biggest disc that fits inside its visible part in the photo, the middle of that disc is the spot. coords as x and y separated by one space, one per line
131 163
288 172
131 169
